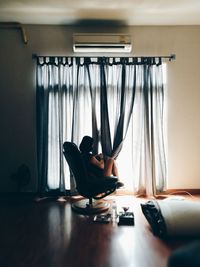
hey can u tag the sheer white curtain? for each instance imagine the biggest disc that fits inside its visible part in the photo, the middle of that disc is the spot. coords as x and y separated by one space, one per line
64 114
69 106
142 161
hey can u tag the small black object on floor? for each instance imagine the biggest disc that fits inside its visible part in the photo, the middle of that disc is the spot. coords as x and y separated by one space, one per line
103 218
126 218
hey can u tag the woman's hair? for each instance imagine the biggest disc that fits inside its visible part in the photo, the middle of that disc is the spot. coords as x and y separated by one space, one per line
86 144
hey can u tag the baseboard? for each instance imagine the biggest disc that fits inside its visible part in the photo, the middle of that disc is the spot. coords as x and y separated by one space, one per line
192 191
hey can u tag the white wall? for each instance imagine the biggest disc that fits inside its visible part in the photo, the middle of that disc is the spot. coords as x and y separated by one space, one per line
17 94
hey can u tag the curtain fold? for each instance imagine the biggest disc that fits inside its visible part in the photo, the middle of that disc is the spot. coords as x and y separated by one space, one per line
93 70
42 96
105 124
148 138
118 101
126 106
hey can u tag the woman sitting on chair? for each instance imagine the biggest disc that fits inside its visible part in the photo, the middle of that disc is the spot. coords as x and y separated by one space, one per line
97 165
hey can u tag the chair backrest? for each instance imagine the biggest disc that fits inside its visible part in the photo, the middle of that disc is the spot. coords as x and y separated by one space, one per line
75 162
86 185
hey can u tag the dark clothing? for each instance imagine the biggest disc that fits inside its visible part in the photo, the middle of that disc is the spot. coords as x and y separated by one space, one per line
95 173
91 168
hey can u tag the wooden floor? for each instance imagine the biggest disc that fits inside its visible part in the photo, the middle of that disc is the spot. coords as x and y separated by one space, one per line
49 234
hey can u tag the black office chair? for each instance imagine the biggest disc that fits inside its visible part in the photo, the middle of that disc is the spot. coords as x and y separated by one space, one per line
88 187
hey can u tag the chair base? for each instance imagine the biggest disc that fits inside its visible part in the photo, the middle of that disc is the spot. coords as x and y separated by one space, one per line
83 207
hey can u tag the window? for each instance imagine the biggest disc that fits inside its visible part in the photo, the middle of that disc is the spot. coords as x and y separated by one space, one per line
101 97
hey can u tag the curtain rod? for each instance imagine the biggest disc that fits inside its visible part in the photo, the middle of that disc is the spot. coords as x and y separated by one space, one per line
170 57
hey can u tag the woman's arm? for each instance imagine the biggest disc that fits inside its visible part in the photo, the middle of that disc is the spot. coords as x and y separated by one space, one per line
98 161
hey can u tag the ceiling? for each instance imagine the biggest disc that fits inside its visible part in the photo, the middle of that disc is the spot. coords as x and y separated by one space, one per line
125 12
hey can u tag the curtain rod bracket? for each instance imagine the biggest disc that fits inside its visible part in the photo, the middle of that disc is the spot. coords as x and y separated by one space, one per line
15 25
172 57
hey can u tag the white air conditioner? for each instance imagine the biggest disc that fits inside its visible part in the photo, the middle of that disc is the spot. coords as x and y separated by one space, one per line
101 42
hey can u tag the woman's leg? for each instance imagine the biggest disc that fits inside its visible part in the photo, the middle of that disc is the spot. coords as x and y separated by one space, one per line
110 168
114 169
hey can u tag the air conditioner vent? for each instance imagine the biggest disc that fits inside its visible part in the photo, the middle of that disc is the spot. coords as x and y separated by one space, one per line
116 43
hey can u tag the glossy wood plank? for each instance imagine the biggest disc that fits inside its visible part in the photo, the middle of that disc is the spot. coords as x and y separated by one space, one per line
50 234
